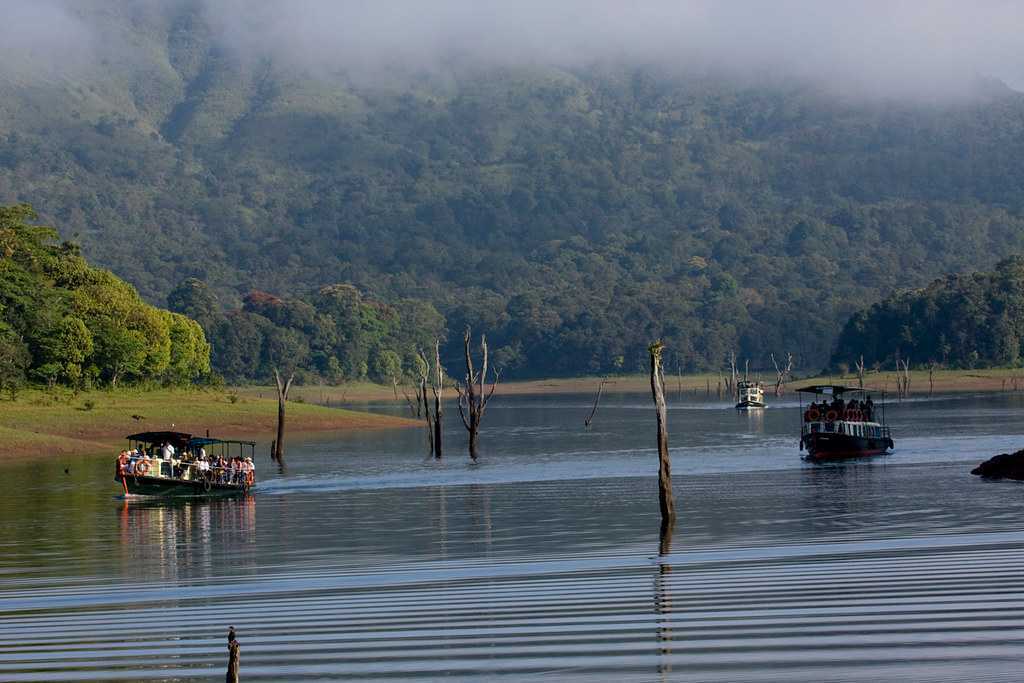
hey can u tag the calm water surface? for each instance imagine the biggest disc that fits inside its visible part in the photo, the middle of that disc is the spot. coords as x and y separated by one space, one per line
365 561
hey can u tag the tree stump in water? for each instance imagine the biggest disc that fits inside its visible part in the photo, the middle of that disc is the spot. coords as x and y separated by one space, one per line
668 506
233 657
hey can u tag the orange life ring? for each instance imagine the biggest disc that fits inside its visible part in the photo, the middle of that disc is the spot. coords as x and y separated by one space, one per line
831 416
815 415
142 467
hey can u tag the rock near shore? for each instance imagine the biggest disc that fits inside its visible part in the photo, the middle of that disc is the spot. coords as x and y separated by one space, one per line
1002 466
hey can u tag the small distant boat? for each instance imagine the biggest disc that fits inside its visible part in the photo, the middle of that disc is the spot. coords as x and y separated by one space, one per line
750 395
145 469
837 429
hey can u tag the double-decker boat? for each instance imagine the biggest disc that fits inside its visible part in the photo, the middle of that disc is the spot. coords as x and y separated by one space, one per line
750 395
836 428
179 464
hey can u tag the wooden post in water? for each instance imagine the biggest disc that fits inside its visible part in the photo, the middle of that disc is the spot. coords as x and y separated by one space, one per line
234 657
668 506
282 395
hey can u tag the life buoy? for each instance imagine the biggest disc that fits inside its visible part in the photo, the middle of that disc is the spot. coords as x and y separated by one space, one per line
814 414
142 467
831 416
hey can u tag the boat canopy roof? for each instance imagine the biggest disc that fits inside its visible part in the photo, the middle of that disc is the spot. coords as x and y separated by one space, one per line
831 389
182 440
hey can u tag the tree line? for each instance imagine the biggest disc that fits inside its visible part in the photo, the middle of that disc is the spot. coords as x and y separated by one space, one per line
65 322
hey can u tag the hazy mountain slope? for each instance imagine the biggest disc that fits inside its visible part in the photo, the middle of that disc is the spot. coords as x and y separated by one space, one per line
575 215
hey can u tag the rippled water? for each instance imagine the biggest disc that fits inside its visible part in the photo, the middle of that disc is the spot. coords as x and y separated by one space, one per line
365 561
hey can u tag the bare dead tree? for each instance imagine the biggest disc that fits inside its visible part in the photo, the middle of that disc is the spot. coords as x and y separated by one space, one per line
415 409
472 398
902 378
665 500
437 388
597 399
860 373
782 374
730 385
423 401
282 396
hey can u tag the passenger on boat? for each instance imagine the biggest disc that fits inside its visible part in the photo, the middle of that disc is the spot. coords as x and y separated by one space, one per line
869 408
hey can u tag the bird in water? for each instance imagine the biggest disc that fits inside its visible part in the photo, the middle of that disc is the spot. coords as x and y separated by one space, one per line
67 470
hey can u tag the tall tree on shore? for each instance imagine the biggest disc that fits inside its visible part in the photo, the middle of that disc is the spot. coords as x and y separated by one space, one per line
473 399
668 506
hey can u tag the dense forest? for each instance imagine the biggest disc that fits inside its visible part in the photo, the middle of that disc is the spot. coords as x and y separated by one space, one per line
962 321
573 214
65 322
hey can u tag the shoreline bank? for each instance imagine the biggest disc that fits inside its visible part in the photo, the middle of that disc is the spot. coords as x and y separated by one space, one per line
40 425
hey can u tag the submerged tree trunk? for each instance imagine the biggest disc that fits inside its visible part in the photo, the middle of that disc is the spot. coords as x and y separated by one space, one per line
668 507
282 395
597 400
438 389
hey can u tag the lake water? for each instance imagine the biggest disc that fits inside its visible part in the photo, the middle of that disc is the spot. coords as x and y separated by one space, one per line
366 561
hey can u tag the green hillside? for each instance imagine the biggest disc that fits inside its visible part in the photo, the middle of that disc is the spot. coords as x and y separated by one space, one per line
572 214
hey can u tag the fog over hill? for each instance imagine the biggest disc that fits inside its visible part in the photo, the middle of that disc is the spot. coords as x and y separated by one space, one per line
575 177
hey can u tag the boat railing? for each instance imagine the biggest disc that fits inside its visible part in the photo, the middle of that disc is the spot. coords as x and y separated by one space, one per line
870 429
185 470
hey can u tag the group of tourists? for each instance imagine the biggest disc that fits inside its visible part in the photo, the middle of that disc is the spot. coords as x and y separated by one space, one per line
838 409
193 465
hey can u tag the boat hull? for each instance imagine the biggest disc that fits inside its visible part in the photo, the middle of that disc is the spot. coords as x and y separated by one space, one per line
167 487
831 446
749 405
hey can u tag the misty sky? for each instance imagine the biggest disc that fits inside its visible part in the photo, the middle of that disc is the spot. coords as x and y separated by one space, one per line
922 46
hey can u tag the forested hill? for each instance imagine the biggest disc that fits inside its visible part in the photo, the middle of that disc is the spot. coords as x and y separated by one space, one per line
962 321
573 214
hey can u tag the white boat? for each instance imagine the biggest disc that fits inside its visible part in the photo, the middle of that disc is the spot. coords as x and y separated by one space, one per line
750 395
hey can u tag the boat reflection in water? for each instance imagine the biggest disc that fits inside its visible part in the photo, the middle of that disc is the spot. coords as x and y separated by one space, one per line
189 538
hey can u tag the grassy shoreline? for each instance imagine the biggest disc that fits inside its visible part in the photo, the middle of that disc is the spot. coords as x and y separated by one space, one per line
40 425
943 382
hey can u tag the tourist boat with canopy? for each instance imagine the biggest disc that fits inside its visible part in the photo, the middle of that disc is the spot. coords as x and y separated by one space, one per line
180 464
835 428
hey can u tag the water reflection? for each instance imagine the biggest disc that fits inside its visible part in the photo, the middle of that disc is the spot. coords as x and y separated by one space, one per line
182 539
663 600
